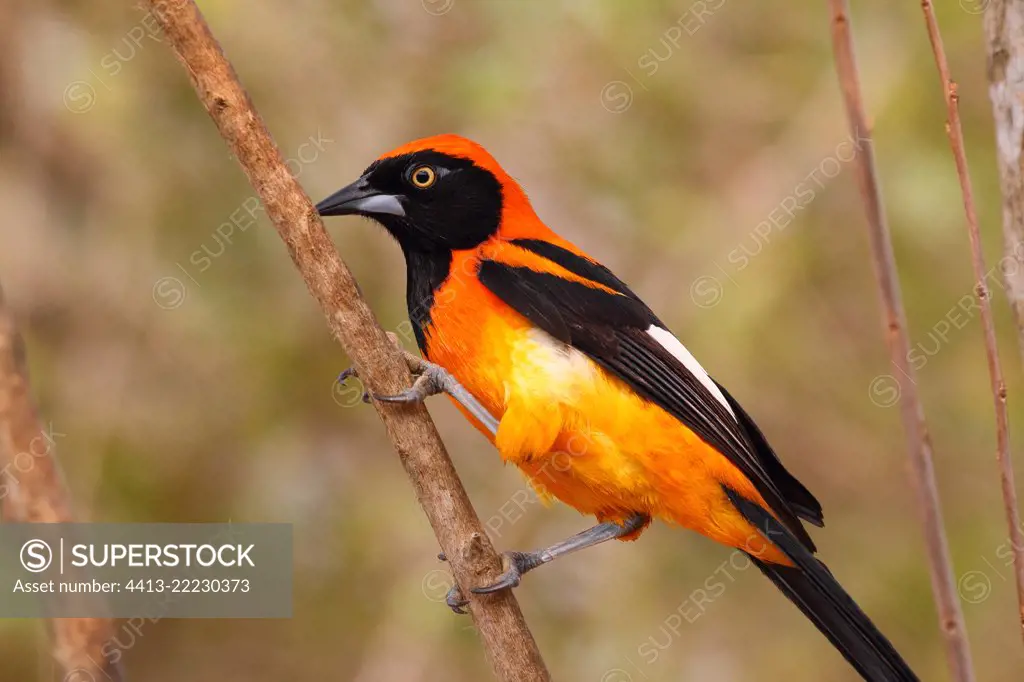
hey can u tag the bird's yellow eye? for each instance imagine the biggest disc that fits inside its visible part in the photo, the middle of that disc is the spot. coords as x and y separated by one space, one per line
423 177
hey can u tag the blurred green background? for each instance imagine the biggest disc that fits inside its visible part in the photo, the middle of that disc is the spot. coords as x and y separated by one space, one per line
676 141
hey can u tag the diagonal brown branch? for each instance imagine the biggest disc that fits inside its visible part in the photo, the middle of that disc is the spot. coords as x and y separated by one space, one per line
510 646
951 619
32 490
995 371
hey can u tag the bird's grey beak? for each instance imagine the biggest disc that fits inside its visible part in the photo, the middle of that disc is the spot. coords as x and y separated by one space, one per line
360 199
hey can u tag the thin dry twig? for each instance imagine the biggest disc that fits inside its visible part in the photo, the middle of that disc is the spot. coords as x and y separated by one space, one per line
951 619
510 646
32 490
1004 39
995 371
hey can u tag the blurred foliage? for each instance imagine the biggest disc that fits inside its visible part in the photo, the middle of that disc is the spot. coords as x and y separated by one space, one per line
193 375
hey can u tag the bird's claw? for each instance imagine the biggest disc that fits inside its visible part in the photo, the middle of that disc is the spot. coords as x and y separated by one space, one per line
516 564
456 601
425 385
414 362
430 379
350 373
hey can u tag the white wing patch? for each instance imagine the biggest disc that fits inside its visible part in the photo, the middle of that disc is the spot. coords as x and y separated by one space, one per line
678 350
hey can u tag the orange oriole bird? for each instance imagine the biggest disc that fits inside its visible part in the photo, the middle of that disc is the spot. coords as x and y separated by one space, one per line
580 385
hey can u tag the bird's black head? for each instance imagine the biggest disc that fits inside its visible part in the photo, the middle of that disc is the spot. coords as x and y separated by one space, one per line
432 195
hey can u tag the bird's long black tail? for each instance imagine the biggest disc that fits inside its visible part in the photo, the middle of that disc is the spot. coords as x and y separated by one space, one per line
810 586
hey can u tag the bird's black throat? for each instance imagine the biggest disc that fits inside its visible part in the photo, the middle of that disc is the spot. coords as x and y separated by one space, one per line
426 270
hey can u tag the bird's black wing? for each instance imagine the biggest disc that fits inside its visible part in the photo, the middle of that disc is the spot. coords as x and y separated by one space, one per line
613 330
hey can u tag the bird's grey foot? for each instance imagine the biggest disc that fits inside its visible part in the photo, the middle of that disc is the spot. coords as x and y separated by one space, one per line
516 565
432 379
